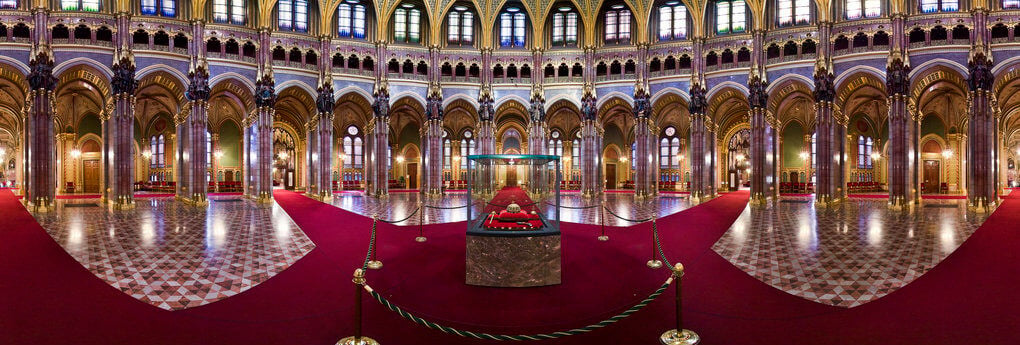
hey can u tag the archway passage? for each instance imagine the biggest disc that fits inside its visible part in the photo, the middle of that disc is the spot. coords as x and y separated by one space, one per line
738 163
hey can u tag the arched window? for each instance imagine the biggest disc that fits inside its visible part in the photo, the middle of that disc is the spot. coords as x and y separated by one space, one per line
351 19
864 147
1010 4
467 148
447 153
229 12
165 8
156 149
556 144
80 5
794 12
352 148
814 155
575 155
293 15
8 4
669 149
857 9
407 24
512 27
618 25
731 16
208 149
460 26
564 27
932 6
673 21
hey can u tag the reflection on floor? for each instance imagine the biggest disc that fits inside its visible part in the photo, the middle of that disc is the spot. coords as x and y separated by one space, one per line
175 256
398 206
848 255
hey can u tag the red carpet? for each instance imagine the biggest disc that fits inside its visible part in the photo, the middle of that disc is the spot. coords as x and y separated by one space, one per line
49 298
509 195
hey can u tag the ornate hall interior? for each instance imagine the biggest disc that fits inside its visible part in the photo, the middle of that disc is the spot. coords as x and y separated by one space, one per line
483 171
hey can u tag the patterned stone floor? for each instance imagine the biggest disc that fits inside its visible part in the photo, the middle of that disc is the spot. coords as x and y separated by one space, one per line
398 206
175 256
848 255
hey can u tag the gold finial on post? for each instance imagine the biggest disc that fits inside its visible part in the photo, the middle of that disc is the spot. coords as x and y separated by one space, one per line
357 338
679 335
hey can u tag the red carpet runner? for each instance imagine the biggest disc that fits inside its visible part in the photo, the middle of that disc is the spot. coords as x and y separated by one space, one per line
48 298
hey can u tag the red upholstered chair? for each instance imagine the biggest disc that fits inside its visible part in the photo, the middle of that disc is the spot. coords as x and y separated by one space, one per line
944 188
69 188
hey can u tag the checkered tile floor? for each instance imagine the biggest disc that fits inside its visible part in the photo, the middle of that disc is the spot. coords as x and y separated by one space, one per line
175 256
849 255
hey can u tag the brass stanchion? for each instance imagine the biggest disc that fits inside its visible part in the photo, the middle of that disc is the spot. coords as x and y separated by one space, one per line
357 338
603 237
421 225
679 336
654 263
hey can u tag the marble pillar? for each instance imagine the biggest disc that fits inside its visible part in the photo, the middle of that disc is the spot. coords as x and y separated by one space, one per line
192 135
762 139
432 145
903 138
258 141
118 137
982 132
486 141
378 145
40 168
699 154
645 147
538 132
591 157
320 145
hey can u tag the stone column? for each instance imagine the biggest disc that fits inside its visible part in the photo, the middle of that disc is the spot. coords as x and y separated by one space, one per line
537 135
378 144
65 163
699 140
39 183
214 162
828 139
432 143
645 146
903 137
762 136
258 140
486 141
320 143
118 135
591 159
192 134
981 129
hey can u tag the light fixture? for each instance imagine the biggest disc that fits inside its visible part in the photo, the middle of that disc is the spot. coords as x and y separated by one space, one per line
875 156
947 153
343 156
283 155
740 157
680 157
75 153
400 159
803 155
147 154
623 159
218 154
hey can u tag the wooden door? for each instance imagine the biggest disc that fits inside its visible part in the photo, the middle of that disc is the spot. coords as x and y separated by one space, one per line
412 175
289 179
931 176
511 176
610 176
90 176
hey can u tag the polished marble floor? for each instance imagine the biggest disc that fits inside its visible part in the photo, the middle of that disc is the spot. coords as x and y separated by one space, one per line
848 255
175 256
577 209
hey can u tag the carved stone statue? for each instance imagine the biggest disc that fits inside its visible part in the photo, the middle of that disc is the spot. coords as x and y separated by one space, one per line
41 75
699 101
123 80
381 104
897 79
324 101
980 70
758 97
265 91
825 88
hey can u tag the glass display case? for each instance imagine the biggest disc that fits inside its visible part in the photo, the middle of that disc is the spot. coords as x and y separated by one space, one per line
511 190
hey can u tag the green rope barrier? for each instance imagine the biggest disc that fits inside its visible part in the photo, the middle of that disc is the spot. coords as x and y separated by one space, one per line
371 245
662 254
628 219
402 220
522 337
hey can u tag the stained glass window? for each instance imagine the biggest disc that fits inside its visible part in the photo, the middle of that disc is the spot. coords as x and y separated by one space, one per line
293 15
407 24
1010 4
672 21
8 4
460 26
512 28
564 27
618 24
857 9
229 12
80 5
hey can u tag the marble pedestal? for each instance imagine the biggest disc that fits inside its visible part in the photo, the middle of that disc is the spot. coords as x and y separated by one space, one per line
513 261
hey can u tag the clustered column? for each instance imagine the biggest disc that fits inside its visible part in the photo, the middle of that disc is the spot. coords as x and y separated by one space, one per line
829 140
645 146
320 144
591 143
40 170
903 137
983 134
700 157
258 140
486 141
762 142
378 143
118 129
432 143
537 133
192 135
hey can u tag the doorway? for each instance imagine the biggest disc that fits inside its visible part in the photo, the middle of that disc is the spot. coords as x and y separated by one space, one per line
610 176
511 176
90 176
931 176
412 175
